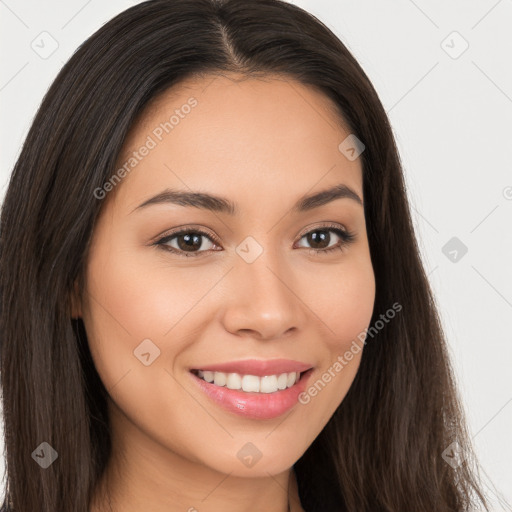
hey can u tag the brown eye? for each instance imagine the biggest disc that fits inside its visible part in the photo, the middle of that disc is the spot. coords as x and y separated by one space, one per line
189 242
185 241
320 239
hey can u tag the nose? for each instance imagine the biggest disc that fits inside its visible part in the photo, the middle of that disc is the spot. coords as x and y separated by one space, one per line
262 302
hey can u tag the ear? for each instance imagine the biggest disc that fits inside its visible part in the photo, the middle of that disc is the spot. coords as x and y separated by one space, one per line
76 303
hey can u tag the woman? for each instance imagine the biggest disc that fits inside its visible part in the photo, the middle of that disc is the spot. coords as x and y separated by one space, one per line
212 295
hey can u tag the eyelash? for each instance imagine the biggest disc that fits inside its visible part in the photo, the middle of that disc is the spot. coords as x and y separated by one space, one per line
346 237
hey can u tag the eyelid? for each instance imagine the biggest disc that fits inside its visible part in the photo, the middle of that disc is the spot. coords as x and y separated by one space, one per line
325 225
196 227
185 229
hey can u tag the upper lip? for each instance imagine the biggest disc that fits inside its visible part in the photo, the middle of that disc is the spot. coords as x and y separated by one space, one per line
257 367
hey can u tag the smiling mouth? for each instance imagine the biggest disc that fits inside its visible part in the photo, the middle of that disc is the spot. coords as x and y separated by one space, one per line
250 383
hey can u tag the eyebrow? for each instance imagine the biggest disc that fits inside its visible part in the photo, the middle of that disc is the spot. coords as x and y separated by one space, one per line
218 204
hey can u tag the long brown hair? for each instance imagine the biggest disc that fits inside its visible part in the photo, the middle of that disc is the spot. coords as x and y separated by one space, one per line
382 450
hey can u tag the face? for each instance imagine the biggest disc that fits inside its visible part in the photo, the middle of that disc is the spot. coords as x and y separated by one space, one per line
273 288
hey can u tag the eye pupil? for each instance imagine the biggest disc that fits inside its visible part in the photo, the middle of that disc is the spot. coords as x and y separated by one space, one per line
314 239
192 241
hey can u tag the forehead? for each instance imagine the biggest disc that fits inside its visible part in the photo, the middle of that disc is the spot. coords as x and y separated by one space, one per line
229 133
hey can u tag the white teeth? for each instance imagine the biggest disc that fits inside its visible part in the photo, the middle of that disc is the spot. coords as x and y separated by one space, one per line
208 376
251 383
234 381
219 379
282 381
268 384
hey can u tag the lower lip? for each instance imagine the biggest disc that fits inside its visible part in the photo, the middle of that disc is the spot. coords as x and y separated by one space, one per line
262 406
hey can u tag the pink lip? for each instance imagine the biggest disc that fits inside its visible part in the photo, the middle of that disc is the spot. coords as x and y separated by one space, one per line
254 405
258 367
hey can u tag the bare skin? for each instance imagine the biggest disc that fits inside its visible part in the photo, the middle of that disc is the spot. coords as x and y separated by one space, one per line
262 144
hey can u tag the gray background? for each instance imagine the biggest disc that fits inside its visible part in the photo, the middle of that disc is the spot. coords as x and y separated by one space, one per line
451 111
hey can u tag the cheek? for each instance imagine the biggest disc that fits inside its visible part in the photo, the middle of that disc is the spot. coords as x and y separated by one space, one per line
354 307
345 302
137 306
346 308
130 312
139 298
124 306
